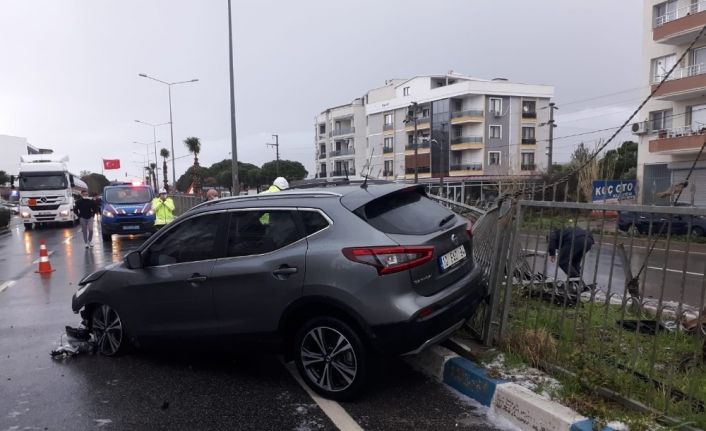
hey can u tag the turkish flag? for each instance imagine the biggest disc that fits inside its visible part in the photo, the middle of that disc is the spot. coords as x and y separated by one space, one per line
111 164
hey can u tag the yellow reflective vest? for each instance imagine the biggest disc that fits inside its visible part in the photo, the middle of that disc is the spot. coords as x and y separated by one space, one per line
163 211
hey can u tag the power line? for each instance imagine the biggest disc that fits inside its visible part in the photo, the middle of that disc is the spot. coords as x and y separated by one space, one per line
604 96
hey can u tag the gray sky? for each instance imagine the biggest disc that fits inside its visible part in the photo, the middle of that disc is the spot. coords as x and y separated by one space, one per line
69 69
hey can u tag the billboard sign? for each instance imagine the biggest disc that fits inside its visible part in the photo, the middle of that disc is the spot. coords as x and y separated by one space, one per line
607 191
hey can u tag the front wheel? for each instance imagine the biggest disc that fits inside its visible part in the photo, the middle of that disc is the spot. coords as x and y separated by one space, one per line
331 358
108 330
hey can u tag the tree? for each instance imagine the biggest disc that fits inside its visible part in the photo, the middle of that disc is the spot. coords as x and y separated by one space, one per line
95 183
153 171
588 169
164 154
289 169
621 162
184 181
4 178
193 144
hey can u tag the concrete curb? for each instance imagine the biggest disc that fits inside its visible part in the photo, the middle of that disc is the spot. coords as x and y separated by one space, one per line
517 404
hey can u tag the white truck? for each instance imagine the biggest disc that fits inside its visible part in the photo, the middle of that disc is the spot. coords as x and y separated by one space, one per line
48 190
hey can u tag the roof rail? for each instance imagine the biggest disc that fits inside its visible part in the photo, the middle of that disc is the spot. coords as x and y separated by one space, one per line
283 194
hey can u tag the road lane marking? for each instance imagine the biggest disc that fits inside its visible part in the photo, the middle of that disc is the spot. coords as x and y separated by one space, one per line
6 284
656 268
39 258
338 415
68 240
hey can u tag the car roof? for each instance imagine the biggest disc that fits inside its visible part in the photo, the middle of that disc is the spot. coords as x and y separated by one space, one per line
351 196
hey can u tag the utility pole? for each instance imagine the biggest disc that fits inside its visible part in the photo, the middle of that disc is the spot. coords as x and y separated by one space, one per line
233 140
550 147
276 145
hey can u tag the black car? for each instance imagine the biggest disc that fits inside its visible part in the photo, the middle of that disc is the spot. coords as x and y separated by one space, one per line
639 222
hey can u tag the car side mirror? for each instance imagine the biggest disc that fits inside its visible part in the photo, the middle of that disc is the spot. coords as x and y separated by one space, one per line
133 260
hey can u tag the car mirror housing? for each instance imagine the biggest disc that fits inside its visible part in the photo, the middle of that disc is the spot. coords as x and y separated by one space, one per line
133 260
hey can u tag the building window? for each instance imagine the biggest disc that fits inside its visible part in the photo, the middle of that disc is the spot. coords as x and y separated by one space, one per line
527 162
388 119
495 105
494 158
661 120
405 91
660 66
529 109
496 132
426 112
322 128
387 146
528 135
388 170
665 12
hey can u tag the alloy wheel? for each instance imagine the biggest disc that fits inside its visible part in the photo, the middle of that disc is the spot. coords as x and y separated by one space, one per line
328 358
108 330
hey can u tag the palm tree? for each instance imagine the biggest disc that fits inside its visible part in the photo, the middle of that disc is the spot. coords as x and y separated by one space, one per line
153 170
164 153
193 144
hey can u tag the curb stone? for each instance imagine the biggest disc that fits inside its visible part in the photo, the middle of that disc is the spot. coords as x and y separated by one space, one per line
520 406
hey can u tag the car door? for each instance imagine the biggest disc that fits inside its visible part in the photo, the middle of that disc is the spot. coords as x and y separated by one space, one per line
173 293
262 272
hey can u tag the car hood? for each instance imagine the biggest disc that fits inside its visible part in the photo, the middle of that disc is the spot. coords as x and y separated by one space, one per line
95 275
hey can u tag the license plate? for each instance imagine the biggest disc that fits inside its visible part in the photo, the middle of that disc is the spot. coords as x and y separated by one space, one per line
451 258
44 213
131 227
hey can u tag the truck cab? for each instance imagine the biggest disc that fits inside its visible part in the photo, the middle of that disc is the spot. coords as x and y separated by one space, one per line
126 209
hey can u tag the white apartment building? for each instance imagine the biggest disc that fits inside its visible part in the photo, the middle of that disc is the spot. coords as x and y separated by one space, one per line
12 148
466 128
340 140
672 128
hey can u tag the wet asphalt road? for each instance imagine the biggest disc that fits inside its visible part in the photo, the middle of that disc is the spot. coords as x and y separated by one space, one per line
675 274
174 389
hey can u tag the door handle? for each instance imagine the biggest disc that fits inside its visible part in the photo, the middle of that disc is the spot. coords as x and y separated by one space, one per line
196 278
285 271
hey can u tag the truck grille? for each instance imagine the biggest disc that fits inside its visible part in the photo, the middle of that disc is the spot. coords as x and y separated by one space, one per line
44 207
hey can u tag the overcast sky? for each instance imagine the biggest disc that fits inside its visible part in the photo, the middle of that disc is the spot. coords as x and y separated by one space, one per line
69 69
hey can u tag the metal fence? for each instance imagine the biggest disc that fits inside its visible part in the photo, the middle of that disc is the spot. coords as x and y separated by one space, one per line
183 203
620 306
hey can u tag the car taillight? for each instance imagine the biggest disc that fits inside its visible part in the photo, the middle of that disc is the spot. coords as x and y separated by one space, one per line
469 228
388 260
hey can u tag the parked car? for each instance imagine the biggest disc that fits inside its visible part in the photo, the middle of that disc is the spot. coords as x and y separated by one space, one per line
5 216
640 223
330 278
12 206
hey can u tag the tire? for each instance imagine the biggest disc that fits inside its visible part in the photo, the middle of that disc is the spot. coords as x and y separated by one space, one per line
108 330
28 226
331 358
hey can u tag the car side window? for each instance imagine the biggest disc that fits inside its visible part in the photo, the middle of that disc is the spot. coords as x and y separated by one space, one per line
192 240
313 221
258 232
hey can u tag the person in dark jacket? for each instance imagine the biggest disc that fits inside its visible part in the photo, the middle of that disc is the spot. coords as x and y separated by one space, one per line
85 208
569 257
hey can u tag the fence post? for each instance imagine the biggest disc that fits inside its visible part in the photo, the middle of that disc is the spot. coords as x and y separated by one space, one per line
510 272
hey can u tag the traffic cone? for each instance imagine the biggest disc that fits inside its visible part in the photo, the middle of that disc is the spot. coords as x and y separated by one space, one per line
44 264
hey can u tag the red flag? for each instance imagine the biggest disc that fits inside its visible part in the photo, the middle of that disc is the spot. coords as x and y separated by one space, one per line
111 164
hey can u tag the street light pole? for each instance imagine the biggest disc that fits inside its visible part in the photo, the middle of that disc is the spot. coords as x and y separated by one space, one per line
154 140
171 124
233 139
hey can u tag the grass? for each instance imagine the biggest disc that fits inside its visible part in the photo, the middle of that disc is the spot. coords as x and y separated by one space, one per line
587 342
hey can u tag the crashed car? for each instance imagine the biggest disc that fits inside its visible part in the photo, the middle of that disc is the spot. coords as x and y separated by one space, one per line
329 277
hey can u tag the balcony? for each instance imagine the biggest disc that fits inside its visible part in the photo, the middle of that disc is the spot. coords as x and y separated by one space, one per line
467 116
388 174
342 131
322 175
529 141
322 137
528 167
466 143
342 172
684 83
422 148
322 155
466 169
422 124
387 127
341 152
678 141
420 170
680 26
387 150
529 115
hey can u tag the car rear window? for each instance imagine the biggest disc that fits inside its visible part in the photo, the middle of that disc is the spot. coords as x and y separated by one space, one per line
406 212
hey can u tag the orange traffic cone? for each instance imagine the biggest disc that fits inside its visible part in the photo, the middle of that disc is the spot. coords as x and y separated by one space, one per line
44 264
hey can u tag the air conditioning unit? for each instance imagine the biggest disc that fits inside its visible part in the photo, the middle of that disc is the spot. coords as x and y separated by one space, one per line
639 128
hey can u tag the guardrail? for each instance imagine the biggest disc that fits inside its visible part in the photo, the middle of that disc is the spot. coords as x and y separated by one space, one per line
467 113
341 152
466 139
682 72
680 13
467 167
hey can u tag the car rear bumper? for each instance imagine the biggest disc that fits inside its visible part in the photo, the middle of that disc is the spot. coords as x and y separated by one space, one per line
419 333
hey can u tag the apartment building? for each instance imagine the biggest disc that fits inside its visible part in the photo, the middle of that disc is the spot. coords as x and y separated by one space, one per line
340 140
674 122
465 128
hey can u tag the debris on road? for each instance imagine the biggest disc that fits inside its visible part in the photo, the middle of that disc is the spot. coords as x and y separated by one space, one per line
75 341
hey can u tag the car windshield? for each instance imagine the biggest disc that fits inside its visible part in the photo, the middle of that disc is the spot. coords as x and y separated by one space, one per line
42 181
128 195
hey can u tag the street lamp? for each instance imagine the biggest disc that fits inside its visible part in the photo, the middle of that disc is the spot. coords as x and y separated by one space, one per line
171 125
154 138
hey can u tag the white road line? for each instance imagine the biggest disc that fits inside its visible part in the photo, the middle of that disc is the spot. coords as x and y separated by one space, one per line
338 415
6 284
68 240
656 268
48 254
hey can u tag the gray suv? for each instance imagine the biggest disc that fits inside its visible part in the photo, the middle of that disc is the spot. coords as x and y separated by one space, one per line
329 277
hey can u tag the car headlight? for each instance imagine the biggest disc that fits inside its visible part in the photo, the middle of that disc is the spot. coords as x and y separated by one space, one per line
25 214
107 213
64 212
150 212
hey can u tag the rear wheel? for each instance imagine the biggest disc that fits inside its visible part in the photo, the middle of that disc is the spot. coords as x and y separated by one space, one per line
108 330
331 358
